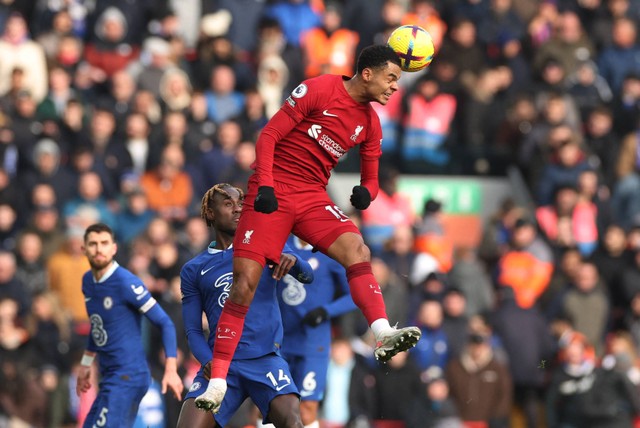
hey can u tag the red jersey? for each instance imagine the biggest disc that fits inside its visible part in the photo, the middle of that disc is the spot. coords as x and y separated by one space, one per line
325 123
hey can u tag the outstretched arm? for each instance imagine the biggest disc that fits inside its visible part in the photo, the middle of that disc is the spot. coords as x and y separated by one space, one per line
171 379
280 125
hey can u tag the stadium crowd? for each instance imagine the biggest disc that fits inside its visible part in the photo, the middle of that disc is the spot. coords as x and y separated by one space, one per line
125 112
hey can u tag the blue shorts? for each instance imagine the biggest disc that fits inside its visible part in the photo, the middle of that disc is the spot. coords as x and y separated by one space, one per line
309 374
117 402
262 379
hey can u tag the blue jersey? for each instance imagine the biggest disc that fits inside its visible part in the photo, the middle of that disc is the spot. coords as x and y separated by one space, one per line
329 290
206 283
115 305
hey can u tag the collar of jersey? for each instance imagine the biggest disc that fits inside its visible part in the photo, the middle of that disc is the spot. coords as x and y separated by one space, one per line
212 250
112 269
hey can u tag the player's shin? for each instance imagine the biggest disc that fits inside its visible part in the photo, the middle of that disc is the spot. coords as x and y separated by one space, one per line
365 292
228 333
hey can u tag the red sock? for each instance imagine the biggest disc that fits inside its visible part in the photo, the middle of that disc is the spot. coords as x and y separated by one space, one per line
228 335
365 291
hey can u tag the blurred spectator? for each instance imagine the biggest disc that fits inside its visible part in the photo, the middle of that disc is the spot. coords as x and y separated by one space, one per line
110 151
390 209
496 232
134 217
22 398
175 90
624 201
18 50
223 100
588 88
470 277
516 125
622 356
481 386
431 287
431 237
30 267
484 106
569 221
462 47
349 396
53 346
194 238
49 38
568 45
433 408
143 151
60 93
527 266
567 162
398 253
48 169
626 105
119 99
623 52
526 348
570 383
295 17
612 258
9 226
424 13
601 142
155 61
456 322
329 48
630 277
273 77
10 285
432 349
272 41
89 194
242 168
586 304
396 384
168 187
66 267
254 116
541 26
424 143
216 162
46 223
111 49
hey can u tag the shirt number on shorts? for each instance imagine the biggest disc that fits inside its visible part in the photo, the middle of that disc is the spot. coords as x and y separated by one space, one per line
281 378
337 212
102 419
309 382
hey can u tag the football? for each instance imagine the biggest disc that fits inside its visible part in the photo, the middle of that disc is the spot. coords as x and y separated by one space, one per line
413 45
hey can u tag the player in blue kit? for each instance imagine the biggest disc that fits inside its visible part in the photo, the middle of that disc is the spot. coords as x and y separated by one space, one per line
116 300
306 316
257 370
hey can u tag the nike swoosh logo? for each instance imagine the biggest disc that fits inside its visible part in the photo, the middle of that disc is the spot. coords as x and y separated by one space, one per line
86 299
305 393
224 337
203 271
279 388
326 113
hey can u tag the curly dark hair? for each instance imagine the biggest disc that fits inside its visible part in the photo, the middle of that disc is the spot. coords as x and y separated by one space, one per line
376 56
207 199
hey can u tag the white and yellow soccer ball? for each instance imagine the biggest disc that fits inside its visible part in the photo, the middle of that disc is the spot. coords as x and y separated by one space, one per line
414 46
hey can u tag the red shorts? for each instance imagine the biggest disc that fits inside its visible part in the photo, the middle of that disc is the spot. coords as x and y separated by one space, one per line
308 213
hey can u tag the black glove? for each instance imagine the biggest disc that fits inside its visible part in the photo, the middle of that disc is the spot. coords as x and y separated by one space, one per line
316 316
266 201
360 197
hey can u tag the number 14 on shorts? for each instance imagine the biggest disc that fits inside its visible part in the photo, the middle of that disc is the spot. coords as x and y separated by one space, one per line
282 381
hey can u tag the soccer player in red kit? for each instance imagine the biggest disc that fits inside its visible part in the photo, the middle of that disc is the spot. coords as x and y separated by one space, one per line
322 119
